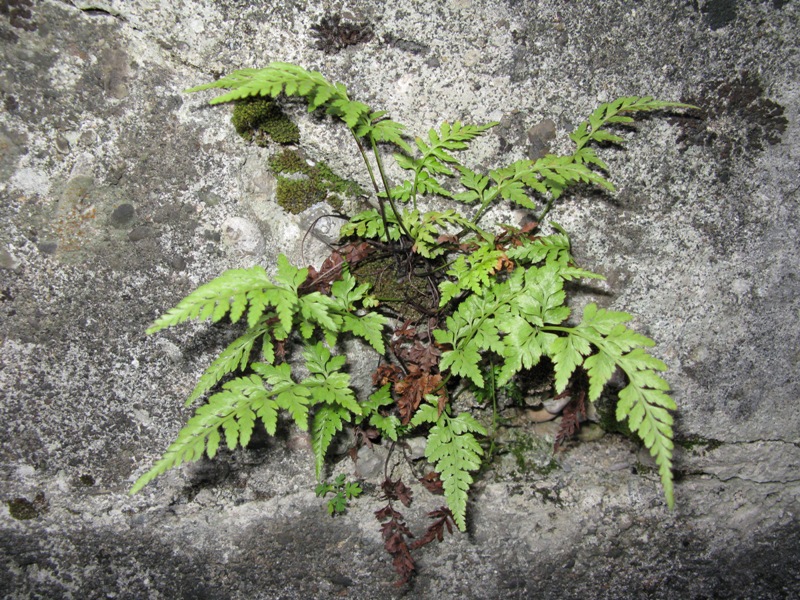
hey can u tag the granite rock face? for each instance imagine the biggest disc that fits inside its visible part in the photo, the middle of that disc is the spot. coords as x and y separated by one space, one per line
119 194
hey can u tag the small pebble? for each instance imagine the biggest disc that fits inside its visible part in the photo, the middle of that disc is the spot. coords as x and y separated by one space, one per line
122 216
178 263
48 247
141 233
7 260
243 236
539 138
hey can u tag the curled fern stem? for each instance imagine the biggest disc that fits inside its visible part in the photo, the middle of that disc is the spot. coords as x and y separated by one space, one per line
367 163
486 203
546 210
387 188
381 205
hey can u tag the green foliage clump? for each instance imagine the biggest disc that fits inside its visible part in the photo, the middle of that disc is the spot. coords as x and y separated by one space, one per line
301 185
258 120
343 491
495 304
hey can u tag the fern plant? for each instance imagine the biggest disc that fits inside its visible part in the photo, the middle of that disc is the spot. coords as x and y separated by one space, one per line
493 298
343 491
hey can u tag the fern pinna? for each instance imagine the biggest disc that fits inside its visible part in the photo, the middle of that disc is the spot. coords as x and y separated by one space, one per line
495 300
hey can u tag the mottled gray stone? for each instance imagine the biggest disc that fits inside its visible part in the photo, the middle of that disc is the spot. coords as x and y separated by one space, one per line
540 136
700 243
243 237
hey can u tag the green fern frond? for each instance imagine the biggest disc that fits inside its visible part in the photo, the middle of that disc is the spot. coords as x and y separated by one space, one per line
235 357
644 402
369 326
292 80
388 131
455 452
475 183
231 293
567 353
328 385
328 421
474 272
330 388
386 425
647 413
558 172
612 112
273 80
554 248
369 225
231 409
426 229
318 310
288 395
436 156
524 346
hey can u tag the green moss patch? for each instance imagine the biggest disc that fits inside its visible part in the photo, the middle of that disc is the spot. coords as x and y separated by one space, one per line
533 454
23 509
258 120
301 185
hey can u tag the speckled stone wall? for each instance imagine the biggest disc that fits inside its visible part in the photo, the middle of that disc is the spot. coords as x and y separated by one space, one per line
119 194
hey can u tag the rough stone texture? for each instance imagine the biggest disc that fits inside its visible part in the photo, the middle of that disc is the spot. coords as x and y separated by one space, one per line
115 191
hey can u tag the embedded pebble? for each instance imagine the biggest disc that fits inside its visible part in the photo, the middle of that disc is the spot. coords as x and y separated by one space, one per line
122 216
556 405
178 263
62 144
371 461
141 233
416 447
47 247
170 350
243 236
539 138
7 260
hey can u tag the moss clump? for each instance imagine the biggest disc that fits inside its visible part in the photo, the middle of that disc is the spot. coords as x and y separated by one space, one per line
296 195
301 185
258 120
288 162
23 509
533 454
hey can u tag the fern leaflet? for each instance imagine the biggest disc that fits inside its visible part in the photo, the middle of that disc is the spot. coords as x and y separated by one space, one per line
473 272
454 451
611 112
235 357
328 420
387 425
643 402
231 409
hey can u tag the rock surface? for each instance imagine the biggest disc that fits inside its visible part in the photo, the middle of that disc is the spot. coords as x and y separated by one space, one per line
116 193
